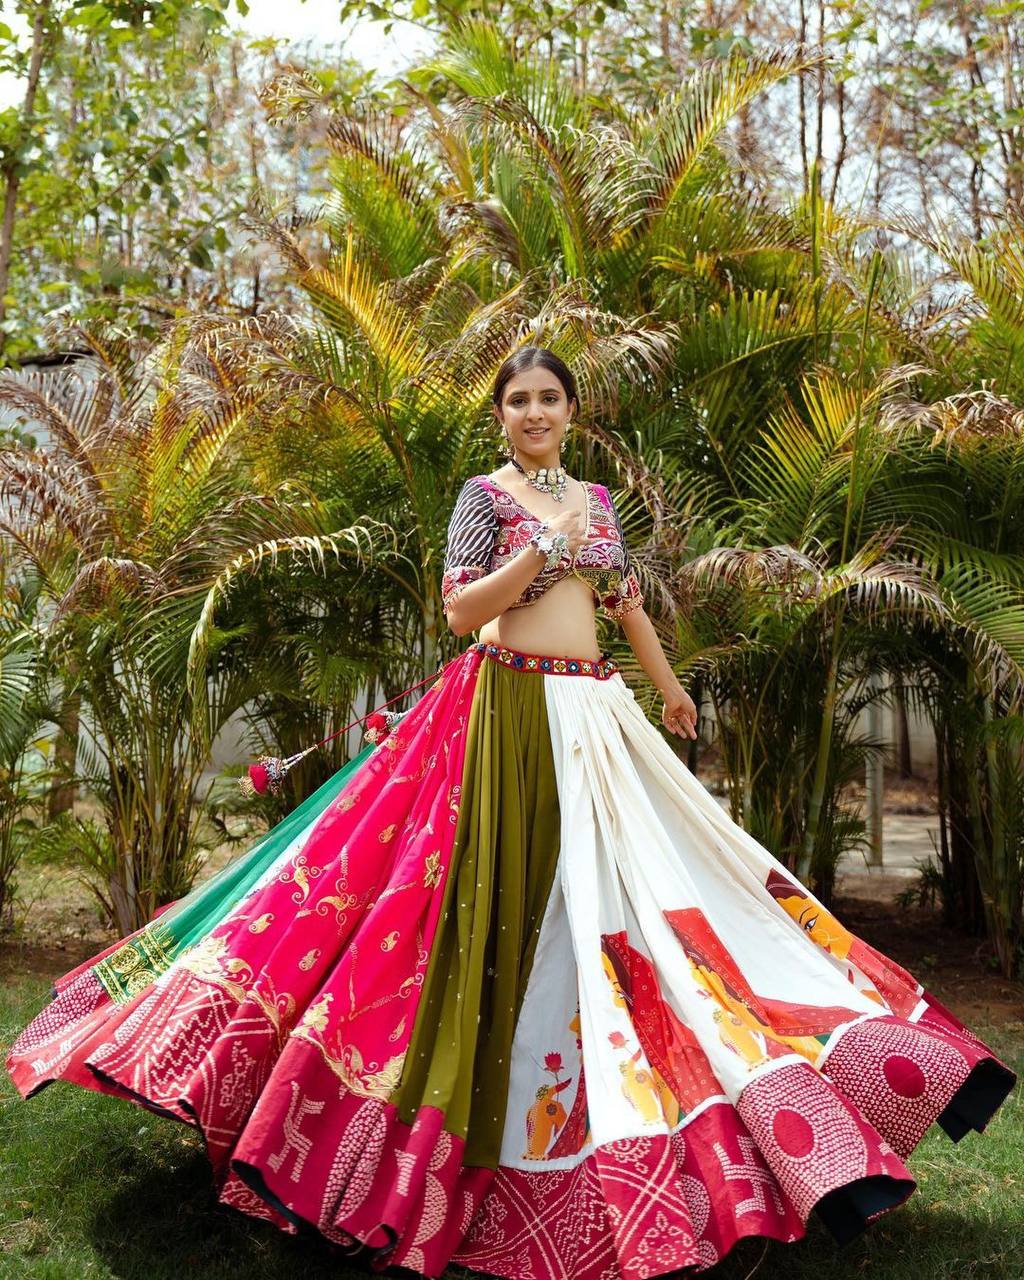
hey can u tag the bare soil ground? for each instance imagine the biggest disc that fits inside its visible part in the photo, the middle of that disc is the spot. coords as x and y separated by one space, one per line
960 970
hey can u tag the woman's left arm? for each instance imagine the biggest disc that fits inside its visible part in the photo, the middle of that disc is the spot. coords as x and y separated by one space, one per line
679 714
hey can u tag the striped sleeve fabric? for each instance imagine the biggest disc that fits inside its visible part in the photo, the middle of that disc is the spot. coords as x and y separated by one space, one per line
472 530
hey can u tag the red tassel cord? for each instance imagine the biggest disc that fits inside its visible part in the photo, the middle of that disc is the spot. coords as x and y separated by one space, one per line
268 772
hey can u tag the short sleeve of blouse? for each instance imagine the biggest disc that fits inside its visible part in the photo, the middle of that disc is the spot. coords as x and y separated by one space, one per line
627 596
472 530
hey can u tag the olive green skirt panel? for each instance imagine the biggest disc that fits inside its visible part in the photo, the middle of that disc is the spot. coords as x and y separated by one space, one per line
500 876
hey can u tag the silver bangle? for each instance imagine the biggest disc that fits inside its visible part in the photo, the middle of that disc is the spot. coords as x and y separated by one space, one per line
551 545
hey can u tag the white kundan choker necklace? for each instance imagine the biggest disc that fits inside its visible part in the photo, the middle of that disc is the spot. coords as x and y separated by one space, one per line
545 480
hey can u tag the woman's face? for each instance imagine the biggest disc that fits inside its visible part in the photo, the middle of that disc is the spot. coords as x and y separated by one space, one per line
534 412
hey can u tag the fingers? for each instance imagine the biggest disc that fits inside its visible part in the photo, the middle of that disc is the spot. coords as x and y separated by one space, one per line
569 522
682 724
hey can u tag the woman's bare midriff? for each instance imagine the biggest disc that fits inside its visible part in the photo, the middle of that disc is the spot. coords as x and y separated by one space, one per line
561 624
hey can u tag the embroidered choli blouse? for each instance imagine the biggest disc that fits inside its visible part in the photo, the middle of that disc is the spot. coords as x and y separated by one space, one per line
488 527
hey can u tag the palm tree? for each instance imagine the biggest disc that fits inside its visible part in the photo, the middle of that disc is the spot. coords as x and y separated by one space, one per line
24 712
128 516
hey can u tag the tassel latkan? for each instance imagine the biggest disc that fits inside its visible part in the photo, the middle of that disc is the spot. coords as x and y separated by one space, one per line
267 774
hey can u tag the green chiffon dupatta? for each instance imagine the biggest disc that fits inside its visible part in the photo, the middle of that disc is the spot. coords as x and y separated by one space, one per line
150 952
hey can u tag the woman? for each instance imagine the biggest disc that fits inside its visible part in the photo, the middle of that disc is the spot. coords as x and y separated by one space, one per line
512 990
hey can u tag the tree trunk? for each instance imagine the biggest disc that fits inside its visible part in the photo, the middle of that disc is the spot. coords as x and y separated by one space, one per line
62 796
968 911
901 725
11 170
802 102
945 855
843 140
693 747
819 97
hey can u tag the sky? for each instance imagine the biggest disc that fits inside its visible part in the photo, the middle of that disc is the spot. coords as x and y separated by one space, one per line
312 20
365 41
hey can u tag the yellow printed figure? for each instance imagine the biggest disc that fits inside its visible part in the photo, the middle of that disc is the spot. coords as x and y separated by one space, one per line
547 1116
750 1045
823 928
544 1120
644 1087
670 1107
637 1083
618 996
579 1107
740 1030
811 916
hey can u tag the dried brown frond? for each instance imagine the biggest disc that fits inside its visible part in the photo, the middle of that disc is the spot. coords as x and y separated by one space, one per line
966 419
39 488
280 231
487 232
467 362
601 347
66 407
382 139
113 350
414 291
291 95
670 509
777 567
104 580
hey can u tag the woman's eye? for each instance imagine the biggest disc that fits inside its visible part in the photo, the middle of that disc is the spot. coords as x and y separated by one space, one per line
811 923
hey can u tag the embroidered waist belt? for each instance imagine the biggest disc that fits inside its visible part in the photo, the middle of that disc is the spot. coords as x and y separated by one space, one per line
599 668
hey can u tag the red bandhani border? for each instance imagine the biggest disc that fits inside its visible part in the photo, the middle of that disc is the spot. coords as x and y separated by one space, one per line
312 1151
647 1206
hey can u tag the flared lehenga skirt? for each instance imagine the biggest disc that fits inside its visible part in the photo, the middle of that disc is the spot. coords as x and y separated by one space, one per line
512 990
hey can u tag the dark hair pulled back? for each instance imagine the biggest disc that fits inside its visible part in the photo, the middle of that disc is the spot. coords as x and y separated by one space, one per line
527 358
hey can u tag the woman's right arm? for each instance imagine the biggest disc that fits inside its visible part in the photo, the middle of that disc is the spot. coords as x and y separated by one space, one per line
476 603
472 593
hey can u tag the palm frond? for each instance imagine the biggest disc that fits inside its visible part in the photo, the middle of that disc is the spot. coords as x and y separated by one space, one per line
362 542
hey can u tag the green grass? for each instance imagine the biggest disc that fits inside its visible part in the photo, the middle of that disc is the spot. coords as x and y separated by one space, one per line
93 1188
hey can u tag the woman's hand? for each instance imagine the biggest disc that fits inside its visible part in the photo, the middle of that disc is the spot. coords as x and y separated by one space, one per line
573 524
679 715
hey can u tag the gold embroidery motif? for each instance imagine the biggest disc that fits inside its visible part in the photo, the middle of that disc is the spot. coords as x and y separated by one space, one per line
376 1082
397 1033
262 923
137 965
387 833
341 902
364 1079
395 888
432 870
280 1009
316 1015
209 961
406 989
309 959
388 943
301 874
426 765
